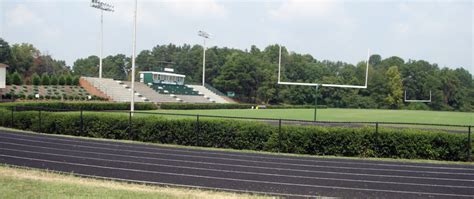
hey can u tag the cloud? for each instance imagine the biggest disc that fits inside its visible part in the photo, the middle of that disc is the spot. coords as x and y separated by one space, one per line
156 12
306 8
21 16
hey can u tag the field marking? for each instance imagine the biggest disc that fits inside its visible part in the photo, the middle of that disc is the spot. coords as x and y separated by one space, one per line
238 180
159 183
161 148
253 161
241 172
247 166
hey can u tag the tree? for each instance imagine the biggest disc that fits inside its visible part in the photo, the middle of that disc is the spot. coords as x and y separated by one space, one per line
375 60
394 86
45 79
22 57
8 79
16 79
5 51
36 80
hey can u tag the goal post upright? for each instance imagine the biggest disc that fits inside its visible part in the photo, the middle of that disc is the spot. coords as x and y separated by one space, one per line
317 85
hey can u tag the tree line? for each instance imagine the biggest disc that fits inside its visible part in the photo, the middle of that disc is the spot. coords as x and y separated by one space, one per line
252 75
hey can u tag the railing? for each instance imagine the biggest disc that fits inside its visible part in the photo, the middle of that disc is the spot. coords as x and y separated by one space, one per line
448 128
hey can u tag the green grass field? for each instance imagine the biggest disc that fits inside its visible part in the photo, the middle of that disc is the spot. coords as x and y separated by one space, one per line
32 183
355 115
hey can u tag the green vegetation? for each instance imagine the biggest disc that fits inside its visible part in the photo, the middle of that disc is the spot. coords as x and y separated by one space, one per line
361 142
32 183
47 92
189 106
83 105
345 115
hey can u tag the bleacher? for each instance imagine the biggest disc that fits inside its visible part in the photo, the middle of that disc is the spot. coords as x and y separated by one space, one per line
173 89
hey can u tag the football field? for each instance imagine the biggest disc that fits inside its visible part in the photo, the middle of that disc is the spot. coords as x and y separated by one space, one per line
344 115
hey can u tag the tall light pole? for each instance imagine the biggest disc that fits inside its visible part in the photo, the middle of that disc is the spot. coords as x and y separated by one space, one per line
205 35
102 7
132 100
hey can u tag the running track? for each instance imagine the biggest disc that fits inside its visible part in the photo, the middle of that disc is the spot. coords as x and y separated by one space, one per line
236 171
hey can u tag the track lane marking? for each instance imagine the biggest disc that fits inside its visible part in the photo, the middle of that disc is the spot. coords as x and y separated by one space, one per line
201 151
247 166
242 172
238 180
253 161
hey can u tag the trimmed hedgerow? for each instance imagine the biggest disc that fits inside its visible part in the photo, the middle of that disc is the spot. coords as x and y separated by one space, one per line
83 105
337 141
189 106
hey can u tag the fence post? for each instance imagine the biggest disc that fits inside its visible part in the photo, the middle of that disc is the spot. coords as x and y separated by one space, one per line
376 127
198 130
82 123
469 144
279 135
39 121
130 125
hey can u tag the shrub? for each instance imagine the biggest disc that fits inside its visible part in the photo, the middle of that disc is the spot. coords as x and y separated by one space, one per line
36 80
82 105
68 80
75 81
53 80
16 79
337 141
45 79
8 79
61 80
188 106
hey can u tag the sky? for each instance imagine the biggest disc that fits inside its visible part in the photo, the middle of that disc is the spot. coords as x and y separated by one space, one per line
436 31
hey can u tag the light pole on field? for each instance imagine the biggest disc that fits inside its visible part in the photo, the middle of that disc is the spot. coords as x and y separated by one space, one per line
205 35
132 100
102 7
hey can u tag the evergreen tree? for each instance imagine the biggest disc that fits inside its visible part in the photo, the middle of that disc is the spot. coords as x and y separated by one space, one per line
45 79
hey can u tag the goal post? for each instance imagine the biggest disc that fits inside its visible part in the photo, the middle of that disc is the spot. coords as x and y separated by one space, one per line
317 85
417 100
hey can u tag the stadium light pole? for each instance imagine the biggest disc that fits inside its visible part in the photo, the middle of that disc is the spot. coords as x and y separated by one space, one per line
132 100
205 35
102 7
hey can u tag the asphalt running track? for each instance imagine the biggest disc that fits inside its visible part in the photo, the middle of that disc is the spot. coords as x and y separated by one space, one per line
235 171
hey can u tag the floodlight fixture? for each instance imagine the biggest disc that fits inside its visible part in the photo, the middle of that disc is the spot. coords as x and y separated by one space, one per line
102 7
421 101
317 85
205 35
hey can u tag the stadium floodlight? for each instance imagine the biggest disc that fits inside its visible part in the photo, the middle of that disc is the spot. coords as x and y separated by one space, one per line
317 85
205 35
423 101
102 7
132 92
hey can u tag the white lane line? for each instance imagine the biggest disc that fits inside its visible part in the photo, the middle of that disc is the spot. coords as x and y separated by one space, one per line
164 184
247 166
240 172
253 161
96 142
239 180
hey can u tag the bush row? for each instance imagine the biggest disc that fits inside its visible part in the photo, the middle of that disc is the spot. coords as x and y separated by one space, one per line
82 105
188 106
45 79
363 142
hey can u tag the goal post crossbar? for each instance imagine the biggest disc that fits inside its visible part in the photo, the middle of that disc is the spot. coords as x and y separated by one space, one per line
320 84
406 100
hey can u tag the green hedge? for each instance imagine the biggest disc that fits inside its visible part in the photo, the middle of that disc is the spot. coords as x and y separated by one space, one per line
189 106
362 142
83 105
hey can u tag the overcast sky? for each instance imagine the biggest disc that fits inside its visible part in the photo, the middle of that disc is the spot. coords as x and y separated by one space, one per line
436 31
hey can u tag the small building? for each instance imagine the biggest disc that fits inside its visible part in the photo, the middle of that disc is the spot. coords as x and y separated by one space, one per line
161 78
3 75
